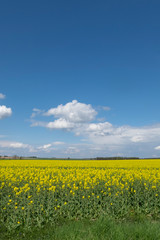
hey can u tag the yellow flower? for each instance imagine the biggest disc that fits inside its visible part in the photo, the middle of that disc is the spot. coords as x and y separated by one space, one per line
15 189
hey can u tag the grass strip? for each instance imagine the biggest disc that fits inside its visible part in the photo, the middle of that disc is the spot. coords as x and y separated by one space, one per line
103 228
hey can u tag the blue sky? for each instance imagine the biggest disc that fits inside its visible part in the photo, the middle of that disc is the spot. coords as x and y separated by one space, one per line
80 78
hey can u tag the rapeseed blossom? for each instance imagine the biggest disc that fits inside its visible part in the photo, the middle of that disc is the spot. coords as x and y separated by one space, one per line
36 191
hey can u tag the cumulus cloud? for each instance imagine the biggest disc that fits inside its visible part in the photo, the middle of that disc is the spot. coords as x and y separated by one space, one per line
74 112
2 96
66 117
80 118
5 112
100 128
60 124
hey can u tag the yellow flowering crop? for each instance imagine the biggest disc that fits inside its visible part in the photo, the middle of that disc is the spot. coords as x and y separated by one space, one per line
38 191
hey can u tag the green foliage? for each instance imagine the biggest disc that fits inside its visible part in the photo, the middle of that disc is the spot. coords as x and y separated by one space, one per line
104 228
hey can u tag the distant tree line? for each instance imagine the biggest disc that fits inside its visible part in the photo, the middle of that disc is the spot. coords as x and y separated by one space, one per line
115 158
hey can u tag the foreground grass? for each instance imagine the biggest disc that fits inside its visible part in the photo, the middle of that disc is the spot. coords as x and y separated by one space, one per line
102 229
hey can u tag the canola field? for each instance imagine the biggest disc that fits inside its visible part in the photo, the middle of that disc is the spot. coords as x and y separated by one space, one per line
37 192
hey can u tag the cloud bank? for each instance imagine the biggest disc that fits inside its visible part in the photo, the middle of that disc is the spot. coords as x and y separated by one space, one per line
102 136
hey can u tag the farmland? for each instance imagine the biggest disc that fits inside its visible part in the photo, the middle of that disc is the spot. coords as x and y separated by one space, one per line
38 192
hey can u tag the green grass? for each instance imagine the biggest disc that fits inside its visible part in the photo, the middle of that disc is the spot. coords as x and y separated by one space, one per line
101 229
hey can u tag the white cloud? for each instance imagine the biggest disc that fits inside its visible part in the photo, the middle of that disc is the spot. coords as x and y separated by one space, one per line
58 143
74 112
76 117
60 124
5 112
45 146
107 134
103 137
18 145
36 112
16 148
8 144
69 116
2 96
157 148
50 146
100 128
38 124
